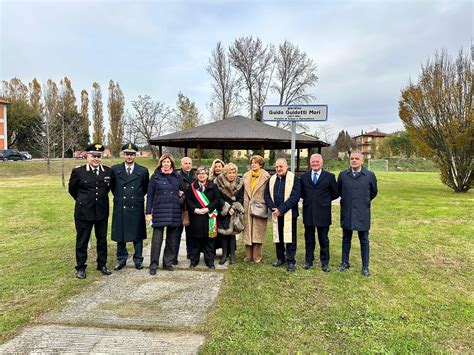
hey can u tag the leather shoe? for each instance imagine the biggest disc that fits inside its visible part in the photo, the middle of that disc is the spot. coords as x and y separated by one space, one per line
81 274
278 263
119 267
212 267
344 267
168 268
365 272
325 268
104 271
139 266
175 261
152 271
222 261
291 267
191 266
307 266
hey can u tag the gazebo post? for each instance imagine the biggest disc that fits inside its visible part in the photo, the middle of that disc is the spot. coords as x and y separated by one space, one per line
160 151
310 151
198 154
262 151
185 151
223 154
297 159
319 149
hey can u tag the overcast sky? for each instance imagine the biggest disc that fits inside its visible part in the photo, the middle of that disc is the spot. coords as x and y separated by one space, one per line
366 51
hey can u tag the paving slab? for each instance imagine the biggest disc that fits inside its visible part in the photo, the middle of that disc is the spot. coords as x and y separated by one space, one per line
132 297
64 339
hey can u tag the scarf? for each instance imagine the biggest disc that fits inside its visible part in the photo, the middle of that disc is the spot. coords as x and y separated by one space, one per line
204 201
287 225
188 177
253 180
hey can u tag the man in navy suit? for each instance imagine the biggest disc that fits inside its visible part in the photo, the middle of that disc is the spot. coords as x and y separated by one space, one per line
129 186
357 187
318 189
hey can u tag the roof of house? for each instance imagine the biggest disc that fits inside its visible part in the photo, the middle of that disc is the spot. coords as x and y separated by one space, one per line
4 102
375 133
237 132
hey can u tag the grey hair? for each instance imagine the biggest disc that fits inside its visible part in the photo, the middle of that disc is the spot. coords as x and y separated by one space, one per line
281 159
202 168
315 155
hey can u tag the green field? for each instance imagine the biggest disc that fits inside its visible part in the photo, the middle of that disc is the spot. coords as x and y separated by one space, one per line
418 299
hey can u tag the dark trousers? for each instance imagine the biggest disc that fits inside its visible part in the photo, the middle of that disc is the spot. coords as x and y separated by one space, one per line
179 232
157 241
364 246
290 247
122 253
83 233
205 245
229 245
310 242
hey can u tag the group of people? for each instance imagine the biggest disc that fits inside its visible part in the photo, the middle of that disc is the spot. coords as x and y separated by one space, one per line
213 206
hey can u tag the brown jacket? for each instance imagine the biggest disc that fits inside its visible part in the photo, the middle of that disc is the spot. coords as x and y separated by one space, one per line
255 229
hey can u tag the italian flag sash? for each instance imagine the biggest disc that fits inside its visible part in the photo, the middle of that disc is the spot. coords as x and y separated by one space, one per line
204 202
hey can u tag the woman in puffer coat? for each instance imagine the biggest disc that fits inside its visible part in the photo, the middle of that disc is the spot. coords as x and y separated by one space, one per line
230 220
165 200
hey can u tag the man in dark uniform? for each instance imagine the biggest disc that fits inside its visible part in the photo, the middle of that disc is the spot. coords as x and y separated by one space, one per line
318 189
89 185
129 186
357 187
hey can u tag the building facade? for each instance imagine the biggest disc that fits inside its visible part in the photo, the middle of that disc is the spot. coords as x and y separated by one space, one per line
3 124
369 142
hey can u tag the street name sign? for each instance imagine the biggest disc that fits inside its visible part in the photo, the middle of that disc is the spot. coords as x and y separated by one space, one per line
295 113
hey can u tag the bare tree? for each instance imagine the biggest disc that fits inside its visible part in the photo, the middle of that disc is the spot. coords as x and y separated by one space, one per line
46 133
254 62
295 75
324 132
437 112
85 137
224 84
151 119
35 95
130 134
15 90
116 108
97 114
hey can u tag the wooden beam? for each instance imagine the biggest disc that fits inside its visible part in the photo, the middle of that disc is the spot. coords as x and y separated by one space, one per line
198 155
297 159
185 151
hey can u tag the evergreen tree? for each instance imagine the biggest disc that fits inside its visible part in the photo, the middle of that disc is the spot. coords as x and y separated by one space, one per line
116 110
97 114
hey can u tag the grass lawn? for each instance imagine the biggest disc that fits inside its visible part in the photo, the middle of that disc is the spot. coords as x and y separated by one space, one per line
418 299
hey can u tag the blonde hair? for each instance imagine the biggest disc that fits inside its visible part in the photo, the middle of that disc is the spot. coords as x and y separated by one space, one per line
230 167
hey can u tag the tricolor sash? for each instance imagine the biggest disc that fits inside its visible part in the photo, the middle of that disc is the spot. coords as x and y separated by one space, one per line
204 202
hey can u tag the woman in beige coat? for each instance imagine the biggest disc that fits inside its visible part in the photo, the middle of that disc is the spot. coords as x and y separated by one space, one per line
255 228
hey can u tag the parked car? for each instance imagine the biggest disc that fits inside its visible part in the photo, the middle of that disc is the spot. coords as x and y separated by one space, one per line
27 155
80 155
11 154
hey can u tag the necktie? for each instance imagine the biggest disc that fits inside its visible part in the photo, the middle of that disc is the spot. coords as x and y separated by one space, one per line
315 178
96 171
128 171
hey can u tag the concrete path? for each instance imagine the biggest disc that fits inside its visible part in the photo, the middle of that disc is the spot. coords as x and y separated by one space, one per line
129 312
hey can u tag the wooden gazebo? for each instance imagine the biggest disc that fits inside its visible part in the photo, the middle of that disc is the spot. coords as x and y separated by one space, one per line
237 132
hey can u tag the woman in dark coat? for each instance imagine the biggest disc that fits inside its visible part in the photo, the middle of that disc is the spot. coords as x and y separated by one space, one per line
230 220
203 199
164 205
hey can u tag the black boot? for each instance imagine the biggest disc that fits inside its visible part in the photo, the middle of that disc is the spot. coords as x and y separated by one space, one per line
224 250
232 247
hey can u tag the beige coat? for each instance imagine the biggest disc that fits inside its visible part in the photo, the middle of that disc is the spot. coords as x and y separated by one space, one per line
255 229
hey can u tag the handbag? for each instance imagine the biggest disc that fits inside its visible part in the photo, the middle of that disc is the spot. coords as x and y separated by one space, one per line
258 210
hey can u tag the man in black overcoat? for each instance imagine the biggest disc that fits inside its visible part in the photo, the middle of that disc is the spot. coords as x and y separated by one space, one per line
357 187
129 186
318 189
89 185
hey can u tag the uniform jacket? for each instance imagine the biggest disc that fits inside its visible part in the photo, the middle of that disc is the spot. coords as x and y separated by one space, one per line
163 200
279 193
91 192
356 193
128 219
255 229
317 198
199 224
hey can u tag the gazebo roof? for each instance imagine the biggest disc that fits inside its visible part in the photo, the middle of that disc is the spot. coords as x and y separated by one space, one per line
236 132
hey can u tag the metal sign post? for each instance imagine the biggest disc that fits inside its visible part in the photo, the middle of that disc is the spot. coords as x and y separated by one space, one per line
293 114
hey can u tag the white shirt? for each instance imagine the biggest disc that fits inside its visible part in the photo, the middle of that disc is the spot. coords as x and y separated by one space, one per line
318 173
131 167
